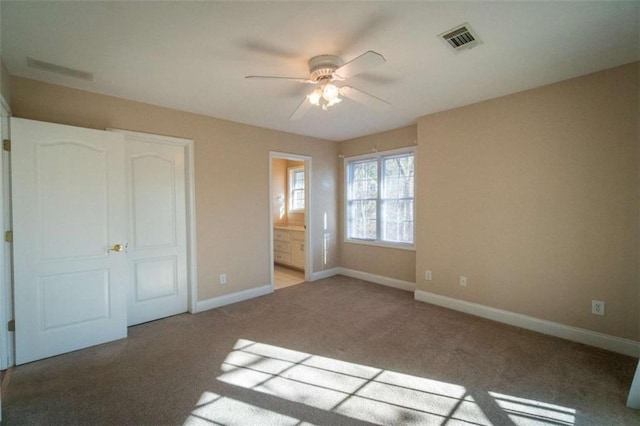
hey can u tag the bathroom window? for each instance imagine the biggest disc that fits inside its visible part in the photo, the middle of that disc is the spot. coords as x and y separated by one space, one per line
296 189
379 198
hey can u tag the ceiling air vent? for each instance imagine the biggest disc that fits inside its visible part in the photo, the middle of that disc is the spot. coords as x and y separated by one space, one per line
59 69
461 38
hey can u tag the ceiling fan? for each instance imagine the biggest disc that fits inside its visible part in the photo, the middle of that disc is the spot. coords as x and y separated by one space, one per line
327 70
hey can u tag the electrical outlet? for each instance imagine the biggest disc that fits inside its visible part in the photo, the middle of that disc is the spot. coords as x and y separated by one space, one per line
463 281
223 279
427 275
597 307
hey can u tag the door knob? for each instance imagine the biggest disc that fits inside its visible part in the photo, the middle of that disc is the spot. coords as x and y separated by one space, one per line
117 247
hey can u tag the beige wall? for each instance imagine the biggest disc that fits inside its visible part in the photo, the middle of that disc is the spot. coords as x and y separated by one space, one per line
231 176
388 262
5 83
534 197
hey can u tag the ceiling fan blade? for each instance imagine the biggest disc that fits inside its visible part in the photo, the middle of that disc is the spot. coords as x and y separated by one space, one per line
362 63
364 98
265 48
299 80
302 109
369 27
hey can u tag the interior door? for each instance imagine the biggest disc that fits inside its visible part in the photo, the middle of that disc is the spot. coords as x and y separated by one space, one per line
157 210
69 210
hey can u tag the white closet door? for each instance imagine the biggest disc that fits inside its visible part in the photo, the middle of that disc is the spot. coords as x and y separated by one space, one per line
69 209
156 183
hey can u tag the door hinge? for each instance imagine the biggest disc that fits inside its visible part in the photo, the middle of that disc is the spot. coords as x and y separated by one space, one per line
8 236
6 144
12 325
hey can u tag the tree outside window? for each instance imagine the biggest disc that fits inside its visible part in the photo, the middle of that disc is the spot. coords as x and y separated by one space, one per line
380 198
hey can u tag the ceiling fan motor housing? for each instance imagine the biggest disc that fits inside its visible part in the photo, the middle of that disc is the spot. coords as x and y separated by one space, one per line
321 67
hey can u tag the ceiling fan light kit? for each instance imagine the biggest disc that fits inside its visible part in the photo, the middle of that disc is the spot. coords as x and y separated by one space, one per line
325 96
324 70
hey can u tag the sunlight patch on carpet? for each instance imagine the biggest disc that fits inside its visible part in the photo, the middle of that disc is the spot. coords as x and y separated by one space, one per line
221 410
366 393
526 411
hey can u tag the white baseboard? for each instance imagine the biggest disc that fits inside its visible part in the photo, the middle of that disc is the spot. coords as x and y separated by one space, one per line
378 279
575 334
227 299
320 275
216 302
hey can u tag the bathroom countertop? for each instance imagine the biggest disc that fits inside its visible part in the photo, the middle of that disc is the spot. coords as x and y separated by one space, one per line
289 227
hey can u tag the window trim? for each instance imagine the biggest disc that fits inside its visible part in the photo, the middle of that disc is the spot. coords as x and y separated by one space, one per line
290 173
378 155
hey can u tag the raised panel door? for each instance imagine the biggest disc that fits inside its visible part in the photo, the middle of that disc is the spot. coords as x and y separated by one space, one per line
69 208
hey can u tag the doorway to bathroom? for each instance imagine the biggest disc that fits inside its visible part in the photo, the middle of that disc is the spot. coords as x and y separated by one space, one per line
289 200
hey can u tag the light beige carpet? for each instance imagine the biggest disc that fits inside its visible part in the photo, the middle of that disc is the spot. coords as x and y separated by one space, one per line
336 351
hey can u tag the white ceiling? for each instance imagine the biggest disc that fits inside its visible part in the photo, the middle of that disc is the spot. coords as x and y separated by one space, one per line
193 56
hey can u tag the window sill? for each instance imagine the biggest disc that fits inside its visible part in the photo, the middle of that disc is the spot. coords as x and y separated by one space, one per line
406 247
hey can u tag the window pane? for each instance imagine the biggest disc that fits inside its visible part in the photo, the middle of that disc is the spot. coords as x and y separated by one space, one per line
297 200
397 221
363 180
298 180
362 220
398 177
379 195
296 189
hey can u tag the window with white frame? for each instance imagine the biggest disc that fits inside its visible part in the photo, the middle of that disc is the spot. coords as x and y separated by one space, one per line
379 198
296 189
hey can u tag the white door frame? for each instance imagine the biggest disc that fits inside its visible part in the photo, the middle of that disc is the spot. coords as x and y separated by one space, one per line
7 348
190 194
308 216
